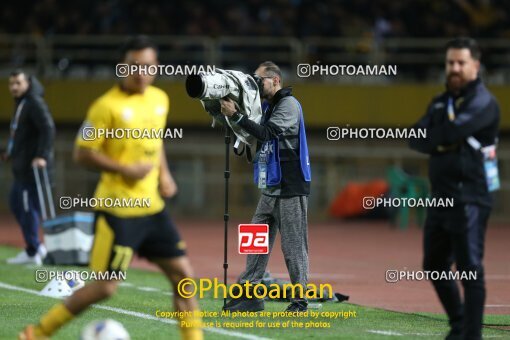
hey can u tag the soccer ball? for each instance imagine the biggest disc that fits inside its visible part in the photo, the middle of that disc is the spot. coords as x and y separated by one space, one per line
104 330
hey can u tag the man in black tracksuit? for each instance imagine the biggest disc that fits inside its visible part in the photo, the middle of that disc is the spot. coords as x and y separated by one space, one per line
32 132
462 127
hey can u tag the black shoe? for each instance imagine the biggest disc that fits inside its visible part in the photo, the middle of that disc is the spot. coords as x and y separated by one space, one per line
243 304
455 334
456 329
297 306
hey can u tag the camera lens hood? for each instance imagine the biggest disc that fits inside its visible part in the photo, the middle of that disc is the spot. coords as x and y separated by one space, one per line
195 86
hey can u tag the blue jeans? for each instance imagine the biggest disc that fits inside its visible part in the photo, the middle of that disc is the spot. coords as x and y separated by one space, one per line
25 207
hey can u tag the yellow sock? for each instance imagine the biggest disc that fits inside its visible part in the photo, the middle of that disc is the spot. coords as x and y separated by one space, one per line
191 328
55 318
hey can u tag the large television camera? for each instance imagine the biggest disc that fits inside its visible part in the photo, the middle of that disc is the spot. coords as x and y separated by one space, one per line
242 88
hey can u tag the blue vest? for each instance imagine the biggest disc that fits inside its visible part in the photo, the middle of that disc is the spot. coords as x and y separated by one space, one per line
269 156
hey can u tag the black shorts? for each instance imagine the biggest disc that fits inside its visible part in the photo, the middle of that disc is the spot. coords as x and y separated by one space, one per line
116 239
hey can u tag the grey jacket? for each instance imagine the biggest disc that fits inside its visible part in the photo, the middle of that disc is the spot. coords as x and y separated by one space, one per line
281 120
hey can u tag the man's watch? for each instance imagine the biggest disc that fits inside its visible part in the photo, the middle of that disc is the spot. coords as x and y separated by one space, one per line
236 117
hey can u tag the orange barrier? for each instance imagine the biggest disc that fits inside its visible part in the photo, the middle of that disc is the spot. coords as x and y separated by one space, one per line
349 202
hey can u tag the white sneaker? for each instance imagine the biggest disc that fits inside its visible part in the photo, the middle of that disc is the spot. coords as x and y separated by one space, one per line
42 251
23 258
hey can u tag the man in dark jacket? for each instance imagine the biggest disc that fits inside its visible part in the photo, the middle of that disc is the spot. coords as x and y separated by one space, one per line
462 128
32 133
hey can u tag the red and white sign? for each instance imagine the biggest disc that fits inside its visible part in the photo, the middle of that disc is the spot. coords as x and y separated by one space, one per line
253 239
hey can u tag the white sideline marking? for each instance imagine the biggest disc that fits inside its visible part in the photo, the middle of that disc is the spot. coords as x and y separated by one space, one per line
497 306
380 332
375 331
144 288
148 289
141 315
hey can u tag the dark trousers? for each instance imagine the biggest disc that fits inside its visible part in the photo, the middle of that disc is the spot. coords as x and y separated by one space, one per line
25 207
457 235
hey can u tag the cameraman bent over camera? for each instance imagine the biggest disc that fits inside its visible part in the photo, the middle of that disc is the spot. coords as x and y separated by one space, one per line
282 171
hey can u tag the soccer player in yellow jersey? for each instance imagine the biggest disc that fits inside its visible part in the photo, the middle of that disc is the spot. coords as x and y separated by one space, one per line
130 169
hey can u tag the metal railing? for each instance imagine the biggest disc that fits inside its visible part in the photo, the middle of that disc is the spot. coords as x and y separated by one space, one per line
95 56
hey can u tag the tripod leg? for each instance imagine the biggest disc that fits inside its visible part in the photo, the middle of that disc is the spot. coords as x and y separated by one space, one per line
226 215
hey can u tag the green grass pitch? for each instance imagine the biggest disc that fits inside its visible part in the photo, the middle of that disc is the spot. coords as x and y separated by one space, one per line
144 293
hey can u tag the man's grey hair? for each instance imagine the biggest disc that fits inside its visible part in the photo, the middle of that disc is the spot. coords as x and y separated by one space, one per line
272 70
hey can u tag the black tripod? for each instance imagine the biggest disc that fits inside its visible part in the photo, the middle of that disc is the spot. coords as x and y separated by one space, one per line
226 215
195 88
